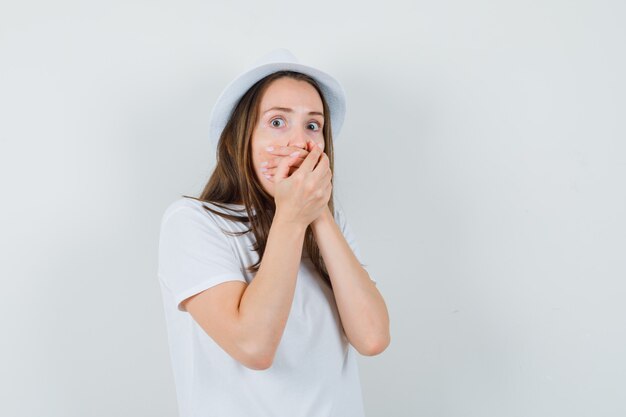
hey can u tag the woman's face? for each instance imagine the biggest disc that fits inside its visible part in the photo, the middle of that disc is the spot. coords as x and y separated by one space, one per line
290 113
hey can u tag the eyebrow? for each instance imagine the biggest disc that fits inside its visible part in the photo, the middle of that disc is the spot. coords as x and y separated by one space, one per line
288 110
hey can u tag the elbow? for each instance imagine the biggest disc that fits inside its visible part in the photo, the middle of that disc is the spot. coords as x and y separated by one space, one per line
376 346
258 363
258 360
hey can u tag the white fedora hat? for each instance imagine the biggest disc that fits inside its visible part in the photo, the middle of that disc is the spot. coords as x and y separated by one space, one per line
276 60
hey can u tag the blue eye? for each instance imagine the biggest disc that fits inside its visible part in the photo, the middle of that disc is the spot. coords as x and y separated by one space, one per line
272 122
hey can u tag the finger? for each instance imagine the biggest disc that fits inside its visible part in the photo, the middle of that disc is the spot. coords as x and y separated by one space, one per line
311 159
270 163
270 176
326 180
316 145
286 151
311 144
297 161
271 167
322 167
282 171
329 189
272 171
329 176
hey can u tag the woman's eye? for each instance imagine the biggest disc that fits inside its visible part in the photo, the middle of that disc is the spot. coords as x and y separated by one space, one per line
276 120
315 124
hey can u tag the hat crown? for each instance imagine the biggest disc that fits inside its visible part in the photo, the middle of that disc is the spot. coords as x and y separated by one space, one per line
277 55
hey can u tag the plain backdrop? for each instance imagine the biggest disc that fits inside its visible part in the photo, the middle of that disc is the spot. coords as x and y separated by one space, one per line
482 167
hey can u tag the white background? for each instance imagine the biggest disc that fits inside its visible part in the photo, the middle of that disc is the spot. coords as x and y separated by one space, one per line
482 166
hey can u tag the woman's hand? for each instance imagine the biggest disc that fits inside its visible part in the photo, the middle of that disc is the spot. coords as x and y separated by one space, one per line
271 164
302 196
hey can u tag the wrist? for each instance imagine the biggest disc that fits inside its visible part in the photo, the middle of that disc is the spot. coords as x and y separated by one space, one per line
289 224
325 217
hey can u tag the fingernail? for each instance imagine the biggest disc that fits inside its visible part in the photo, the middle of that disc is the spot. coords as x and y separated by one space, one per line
296 153
270 148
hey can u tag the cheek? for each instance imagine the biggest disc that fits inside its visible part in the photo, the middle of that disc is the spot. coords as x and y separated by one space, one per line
256 160
267 133
259 155
263 139
319 140
259 152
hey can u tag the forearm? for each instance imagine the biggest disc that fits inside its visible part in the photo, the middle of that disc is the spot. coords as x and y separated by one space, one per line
266 302
362 308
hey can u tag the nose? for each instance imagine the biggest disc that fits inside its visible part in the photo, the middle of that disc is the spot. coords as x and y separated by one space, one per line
299 139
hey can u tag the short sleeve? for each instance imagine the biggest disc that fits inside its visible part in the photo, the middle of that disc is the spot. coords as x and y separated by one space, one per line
194 254
348 234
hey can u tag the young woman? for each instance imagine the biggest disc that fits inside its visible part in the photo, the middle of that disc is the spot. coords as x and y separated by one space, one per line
265 295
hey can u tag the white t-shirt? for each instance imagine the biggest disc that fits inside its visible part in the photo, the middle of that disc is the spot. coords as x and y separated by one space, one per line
314 372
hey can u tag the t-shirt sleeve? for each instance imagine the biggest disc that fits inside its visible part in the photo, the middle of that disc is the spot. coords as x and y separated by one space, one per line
194 254
348 234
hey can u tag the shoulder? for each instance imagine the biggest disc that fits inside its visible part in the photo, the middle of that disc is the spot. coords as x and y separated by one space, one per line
189 210
182 206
